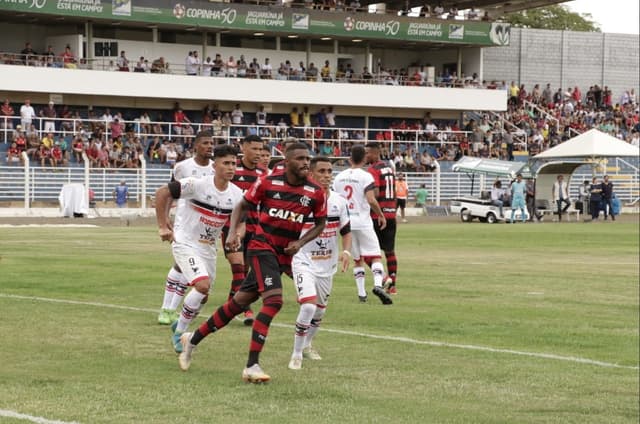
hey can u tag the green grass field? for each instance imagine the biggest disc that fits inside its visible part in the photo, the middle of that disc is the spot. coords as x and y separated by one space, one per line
492 324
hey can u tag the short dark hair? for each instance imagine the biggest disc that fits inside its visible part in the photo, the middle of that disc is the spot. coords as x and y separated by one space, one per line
357 153
251 138
316 159
266 148
204 134
373 145
222 150
296 146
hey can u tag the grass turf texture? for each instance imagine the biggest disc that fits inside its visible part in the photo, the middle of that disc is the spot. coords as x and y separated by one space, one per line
568 290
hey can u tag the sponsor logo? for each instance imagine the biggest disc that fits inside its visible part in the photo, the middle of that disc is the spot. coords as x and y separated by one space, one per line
349 22
500 34
179 11
268 282
305 201
456 32
286 215
276 196
121 7
388 28
300 21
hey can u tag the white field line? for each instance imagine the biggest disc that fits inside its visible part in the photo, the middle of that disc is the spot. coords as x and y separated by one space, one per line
366 335
38 420
48 226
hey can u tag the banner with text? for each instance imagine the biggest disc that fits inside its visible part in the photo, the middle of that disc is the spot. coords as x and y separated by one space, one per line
273 19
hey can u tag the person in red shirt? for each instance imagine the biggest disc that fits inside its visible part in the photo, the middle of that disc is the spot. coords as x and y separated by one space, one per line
179 118
384 178
13 154
285 202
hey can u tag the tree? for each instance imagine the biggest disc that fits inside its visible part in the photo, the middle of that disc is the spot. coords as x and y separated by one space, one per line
553 17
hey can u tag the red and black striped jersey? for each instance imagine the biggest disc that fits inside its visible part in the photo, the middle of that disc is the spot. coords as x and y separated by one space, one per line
244 178
282 212
385 182
278 168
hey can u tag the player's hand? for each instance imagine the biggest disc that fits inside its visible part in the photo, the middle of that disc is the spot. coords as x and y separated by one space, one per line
293 248
345 258
382 222
166 234
233 243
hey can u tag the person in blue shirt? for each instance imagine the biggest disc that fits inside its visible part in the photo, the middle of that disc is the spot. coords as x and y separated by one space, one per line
121 194
518 191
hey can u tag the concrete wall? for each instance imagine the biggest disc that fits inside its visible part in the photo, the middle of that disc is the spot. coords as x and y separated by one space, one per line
371 99
566 59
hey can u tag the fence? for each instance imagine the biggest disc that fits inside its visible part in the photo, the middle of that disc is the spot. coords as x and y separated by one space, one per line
45 184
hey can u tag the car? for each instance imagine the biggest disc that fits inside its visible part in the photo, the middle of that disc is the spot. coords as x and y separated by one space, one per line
470 208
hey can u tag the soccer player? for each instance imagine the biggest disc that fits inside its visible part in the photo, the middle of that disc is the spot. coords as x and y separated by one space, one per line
385 191
284 201
265 157
357 187
200 165
279 167
316 263
248 171
208 204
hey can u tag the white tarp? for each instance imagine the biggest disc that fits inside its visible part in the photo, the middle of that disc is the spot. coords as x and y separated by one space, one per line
591 144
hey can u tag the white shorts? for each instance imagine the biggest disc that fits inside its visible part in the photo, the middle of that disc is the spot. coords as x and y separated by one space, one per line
309 285
194 267
364 243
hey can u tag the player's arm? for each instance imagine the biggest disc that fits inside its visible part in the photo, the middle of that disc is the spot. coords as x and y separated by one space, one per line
313 233
164 198
375 207
236 224
345 256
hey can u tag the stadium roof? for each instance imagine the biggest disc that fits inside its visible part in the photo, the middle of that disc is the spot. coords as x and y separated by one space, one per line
495 8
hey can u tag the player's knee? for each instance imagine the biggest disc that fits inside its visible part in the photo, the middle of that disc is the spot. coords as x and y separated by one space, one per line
274 301
308 309
203 286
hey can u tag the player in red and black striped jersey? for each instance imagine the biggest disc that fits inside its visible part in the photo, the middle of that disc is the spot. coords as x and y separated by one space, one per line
384 178
279 167
284 201
247 173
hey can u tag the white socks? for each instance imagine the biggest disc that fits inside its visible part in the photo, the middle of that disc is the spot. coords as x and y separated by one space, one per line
358 274
378 273
190 308
303 322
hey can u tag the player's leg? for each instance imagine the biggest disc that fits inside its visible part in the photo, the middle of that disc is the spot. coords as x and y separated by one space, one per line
166 312
200 272
387 239
358 268
238 273
306 291
269 282
323 289
247 294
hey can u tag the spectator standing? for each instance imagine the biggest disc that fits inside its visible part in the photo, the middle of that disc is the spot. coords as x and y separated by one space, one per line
68 59
6 116
421 196
325 72
261 116
518 190
497 196
595 198
283 200
607 197
123 62
583 198
207 66
560 192
28 55
191 63
121 194
402 195
232 67
237 117
27 114
266 70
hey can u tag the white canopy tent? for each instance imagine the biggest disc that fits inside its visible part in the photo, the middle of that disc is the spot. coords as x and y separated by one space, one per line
592 144
588 148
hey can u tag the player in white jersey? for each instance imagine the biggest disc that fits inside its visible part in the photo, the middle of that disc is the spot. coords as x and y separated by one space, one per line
357 187
315 264
200 165
208 204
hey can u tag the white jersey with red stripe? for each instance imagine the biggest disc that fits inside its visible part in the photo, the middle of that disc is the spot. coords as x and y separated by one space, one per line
352 184
320 255
190 168
205 210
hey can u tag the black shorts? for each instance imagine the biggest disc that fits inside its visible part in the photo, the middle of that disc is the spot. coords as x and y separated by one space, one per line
243 243
402 203
264 273
386 237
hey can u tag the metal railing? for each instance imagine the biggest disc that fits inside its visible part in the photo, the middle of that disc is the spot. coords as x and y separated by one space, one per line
44 184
